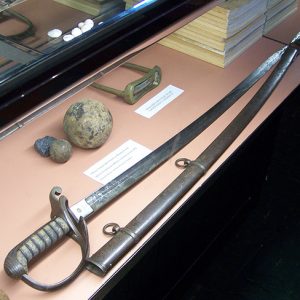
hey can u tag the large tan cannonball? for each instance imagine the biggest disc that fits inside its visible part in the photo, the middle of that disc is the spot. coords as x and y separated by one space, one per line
88 123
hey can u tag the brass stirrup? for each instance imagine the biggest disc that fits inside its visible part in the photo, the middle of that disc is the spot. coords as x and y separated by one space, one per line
136 89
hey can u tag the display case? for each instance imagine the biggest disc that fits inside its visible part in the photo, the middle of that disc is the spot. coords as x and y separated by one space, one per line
185 92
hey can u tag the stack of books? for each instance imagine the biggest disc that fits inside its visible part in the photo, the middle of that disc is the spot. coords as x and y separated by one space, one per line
221 34
95 7
277 11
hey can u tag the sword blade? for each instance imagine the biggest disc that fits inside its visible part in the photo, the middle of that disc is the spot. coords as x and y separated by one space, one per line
106 194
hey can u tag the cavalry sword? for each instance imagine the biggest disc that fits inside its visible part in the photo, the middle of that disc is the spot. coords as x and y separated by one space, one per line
63 221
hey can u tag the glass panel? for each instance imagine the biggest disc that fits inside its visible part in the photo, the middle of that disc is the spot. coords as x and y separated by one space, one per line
5 4
44 27
5 65
46 46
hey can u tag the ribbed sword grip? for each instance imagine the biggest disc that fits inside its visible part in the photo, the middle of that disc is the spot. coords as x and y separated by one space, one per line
17 261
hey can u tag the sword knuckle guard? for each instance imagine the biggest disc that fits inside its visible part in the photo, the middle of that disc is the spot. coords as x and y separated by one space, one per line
18 259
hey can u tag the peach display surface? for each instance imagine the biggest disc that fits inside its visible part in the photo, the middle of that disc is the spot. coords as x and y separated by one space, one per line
27 177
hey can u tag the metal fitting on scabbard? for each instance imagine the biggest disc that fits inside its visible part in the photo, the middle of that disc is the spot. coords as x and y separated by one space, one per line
183 163
111 252
124 239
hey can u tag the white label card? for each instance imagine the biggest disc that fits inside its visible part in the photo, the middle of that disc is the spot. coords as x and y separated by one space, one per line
158 102
117 162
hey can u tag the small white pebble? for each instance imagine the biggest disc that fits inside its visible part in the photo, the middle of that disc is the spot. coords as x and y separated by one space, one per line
68 37
76 32
81 24
89 22
85 28
54 33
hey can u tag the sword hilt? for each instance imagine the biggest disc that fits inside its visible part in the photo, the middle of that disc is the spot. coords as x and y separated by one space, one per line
18 259
63 222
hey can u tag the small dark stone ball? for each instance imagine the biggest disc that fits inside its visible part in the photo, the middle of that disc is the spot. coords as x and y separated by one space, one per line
42 145
60 151
88 123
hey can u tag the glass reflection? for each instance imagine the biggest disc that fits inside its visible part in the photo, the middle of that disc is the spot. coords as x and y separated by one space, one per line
31 29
